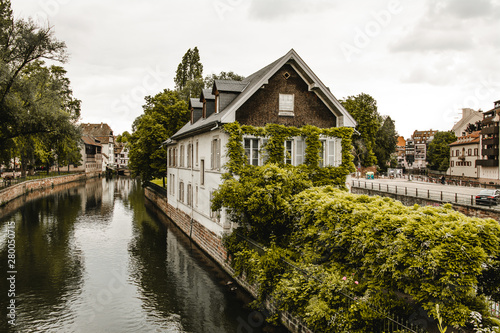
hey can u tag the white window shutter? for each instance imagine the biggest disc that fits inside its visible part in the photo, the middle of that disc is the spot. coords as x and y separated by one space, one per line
331 152
300 151
338 151
218 153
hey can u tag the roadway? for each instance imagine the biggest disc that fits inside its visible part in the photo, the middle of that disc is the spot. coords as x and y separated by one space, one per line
422 189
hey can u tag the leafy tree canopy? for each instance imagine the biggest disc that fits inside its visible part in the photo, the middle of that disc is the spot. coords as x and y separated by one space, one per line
209 79
34 99
363 108
189 75
164 114
438 152
385 142
124 137
477 126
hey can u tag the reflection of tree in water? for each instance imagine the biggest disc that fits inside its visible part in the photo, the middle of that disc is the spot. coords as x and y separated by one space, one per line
48 265
175 284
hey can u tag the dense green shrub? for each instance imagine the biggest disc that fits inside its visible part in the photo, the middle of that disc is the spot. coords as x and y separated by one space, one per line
331 257
433 254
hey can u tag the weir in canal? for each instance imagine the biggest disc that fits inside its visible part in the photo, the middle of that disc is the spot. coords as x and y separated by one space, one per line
94 258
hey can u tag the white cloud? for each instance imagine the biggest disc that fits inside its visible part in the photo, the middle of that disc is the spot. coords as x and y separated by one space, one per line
282 9
426 61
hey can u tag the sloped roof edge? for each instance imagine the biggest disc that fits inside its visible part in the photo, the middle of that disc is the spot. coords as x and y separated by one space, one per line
229 115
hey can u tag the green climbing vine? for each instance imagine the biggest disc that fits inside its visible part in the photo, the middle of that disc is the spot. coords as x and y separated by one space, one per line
329 256
276 136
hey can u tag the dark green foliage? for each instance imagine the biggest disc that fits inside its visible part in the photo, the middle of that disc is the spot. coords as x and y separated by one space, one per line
189 75
209 79
164 114
259 197
277 134
37 110
23 43
352 254
438 153
385 143
477 126
363 108
124 137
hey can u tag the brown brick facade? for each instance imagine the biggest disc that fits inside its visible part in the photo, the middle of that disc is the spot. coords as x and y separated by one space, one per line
263 106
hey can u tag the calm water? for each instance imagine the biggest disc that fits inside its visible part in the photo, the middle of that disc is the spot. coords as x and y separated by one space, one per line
94 258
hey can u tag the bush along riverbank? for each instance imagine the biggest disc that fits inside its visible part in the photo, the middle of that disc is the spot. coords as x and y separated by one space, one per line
352 263
351 259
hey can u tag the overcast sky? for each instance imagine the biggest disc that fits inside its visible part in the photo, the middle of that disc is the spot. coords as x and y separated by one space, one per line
421 60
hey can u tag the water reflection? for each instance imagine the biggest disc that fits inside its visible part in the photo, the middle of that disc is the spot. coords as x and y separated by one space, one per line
94 258
49 266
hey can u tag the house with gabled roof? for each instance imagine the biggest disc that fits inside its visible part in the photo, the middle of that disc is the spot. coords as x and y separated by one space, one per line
104 134
463 155
285 92
469 116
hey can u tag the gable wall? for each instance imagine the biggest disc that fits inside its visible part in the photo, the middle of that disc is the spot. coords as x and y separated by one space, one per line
263 106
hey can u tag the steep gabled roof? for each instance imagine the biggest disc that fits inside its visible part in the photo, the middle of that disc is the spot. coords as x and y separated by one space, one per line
89 140
467 139
229 85
207 93
195 103
254 82
261 77
101 129
468 116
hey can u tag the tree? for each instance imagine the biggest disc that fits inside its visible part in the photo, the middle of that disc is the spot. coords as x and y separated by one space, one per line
164 114
477 126
385 142
364 110
189 75
209 79
48 114
124 137
438 152
23 45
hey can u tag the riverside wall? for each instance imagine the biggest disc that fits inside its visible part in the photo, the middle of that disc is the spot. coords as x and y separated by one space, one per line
30 187
211 244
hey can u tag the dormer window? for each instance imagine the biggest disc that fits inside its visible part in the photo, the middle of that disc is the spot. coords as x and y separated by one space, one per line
217 103
286 105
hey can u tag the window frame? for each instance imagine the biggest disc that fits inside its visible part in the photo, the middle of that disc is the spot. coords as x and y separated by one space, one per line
250 151
286 107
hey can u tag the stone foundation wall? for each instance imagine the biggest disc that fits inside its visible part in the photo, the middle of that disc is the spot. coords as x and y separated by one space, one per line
211 244
15 191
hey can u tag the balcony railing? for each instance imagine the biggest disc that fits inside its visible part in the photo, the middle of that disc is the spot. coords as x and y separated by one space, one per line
490 130
487 163
491 152
491 141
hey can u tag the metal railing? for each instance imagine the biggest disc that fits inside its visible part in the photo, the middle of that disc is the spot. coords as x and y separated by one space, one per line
441 196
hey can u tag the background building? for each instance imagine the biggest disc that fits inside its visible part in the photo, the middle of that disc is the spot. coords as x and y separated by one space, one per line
103 133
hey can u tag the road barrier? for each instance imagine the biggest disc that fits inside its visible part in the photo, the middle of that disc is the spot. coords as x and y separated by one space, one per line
442 196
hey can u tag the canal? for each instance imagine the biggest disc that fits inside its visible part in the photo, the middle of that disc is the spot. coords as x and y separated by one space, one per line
95 257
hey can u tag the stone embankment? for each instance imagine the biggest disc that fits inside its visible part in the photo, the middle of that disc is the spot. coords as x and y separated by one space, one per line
44 184
211 244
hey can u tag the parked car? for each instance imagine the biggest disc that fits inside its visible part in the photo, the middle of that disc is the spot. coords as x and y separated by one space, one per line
488 197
